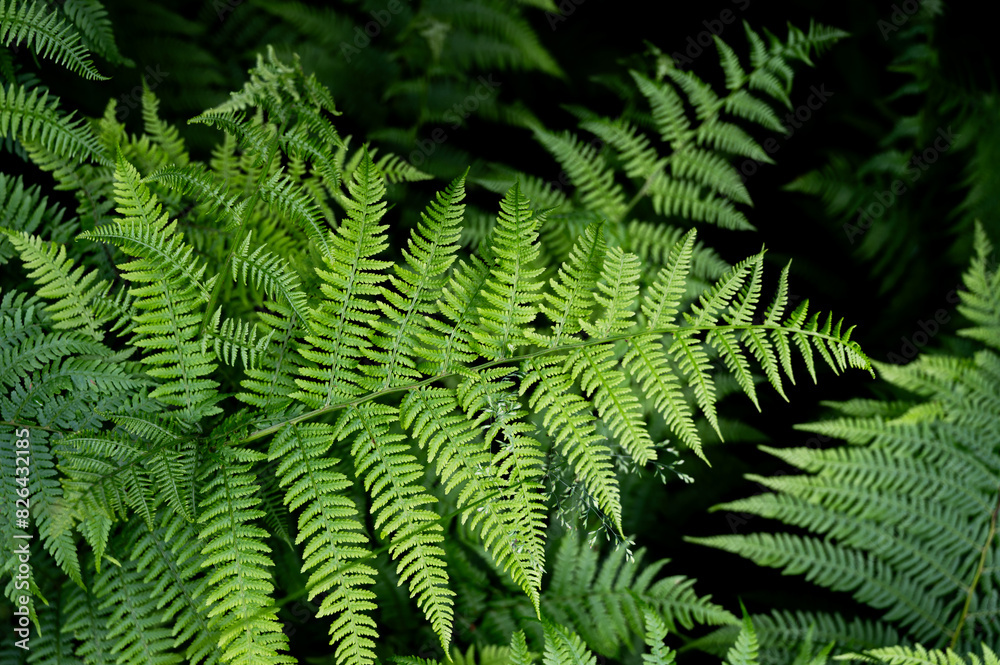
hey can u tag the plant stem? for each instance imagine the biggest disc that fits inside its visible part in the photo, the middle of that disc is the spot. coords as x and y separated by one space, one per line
979 572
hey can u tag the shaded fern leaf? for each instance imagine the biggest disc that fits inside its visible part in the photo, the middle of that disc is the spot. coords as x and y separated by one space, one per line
904 517
47 34
32 116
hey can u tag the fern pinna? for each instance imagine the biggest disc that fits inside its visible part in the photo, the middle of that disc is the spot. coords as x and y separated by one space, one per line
235 346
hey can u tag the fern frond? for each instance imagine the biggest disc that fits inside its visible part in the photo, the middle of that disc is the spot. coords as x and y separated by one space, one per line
685 199
170 301
275 86
165 136
74 290
169 556
23 209
981 299
588 171
46 34
464 467
31 116
108 473
270 386
241 610
134 625
564 647
334 554
519 654
605 600
486 400
339 326
86 621
919 655
271 273
647 361
877 521
656 631
505 40
91 20
510 295
429 254
281 191
449 342
398 170
212 195
234 338
744 650
391 477
600 379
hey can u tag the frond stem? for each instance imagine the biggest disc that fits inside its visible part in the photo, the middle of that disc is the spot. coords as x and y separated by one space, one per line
979 572
542 352
241 230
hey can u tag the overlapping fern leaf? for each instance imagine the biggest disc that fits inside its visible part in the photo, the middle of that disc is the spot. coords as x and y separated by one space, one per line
687 172
563 646
171 299
390 386
900 655
905 517
601 596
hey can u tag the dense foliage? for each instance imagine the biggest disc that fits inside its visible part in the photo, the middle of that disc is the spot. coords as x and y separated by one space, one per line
293 372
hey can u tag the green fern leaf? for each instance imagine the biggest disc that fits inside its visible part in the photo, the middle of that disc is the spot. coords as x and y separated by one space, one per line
31 117
47 35
510 294
171 300
334 554
656 631
241 608
429 254
339 326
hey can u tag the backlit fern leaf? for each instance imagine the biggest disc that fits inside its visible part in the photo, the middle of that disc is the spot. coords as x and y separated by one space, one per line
241 608
335 555
398 507
429 254
171 298
351 278
485 497
510 295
